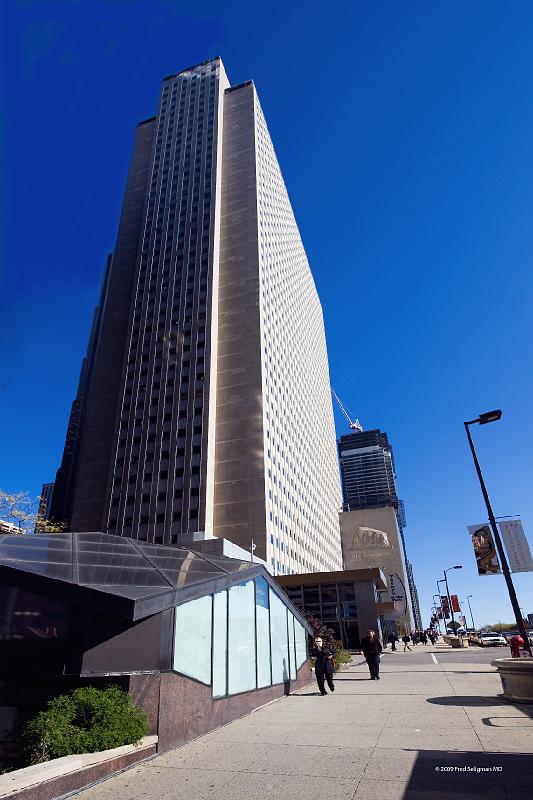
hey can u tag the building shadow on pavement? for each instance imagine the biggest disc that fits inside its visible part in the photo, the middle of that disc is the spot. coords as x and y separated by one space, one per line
475 701
442 774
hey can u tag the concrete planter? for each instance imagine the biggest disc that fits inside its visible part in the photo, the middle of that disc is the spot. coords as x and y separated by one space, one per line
61 776
517 678
454 641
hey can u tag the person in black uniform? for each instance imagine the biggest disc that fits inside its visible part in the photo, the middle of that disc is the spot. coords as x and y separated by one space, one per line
371 647
323 665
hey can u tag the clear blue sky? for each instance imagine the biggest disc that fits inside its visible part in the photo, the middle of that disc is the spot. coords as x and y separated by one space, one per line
405 135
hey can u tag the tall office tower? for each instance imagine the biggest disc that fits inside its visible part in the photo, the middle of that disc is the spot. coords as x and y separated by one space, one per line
367 471
206 409
369 488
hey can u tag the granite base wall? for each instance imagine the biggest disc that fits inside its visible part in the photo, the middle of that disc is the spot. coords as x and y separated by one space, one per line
74 781
181 709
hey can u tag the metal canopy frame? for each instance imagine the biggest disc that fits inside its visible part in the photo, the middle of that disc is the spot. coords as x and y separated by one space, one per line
119 576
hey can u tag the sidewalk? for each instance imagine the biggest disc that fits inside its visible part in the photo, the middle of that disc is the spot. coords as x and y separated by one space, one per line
418 732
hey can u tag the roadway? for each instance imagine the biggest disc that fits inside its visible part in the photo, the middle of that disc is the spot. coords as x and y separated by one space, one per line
426 654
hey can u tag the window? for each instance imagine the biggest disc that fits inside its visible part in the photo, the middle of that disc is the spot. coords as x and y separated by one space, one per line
300 636
220 643
262 632
278 639
192 639
292 650
241 640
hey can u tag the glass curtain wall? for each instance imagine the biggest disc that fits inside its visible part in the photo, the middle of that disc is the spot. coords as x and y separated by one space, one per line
239 639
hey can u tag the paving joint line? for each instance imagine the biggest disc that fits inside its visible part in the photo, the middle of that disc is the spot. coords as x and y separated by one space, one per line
389 712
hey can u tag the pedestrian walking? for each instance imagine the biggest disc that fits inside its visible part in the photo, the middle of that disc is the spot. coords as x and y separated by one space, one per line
424 637
414 637
406 639
392 639
371 647
323 665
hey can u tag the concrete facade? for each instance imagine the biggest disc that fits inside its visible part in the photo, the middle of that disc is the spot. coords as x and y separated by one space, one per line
347 601
371 538
276 480
209 348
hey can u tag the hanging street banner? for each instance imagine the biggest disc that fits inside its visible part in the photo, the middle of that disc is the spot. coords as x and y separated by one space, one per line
455 603
484 550
516 546
445 606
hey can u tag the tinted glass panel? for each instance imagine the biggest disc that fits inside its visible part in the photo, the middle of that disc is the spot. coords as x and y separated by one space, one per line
329 593
347 591
329 612
26 615
311 594
349 610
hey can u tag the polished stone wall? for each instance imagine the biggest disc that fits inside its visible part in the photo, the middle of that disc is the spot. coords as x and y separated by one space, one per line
182 709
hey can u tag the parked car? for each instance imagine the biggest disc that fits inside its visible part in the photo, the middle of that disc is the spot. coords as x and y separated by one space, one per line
491 638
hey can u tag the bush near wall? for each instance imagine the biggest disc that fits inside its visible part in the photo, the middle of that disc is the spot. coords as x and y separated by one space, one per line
86 720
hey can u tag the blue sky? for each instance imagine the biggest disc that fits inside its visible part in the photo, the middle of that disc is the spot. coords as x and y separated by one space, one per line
404 132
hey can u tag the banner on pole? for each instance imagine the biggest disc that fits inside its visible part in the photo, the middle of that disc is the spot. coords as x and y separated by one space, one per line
516 546
455 603
484 550
445 606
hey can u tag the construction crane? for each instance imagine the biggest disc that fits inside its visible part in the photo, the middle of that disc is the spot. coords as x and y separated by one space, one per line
355 426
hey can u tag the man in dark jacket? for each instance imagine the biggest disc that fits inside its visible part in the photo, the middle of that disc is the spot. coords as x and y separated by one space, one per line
371 647
323 665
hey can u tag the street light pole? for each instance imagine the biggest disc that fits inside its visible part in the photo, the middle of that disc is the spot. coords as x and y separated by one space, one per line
470 609
493 416
443 614
448 593
437 608
434 609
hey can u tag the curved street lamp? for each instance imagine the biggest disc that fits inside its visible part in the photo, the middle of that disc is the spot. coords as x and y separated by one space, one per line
457 566
483 419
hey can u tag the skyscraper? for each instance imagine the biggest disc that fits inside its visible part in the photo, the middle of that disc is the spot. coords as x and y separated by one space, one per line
369 483
204 402
367 471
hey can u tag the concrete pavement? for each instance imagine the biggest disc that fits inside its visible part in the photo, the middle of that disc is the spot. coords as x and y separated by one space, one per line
425 729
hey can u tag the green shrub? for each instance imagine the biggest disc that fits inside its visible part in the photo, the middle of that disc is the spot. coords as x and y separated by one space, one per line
84 721
340 655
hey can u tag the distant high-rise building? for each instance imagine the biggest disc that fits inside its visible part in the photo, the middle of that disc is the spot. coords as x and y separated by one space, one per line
367 471
369 482
45 505
204 401
414 597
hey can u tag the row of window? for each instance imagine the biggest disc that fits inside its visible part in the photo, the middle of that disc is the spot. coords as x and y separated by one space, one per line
239 639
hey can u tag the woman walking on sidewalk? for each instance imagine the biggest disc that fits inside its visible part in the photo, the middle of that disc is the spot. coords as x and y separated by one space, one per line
371 647
406 639
323 666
